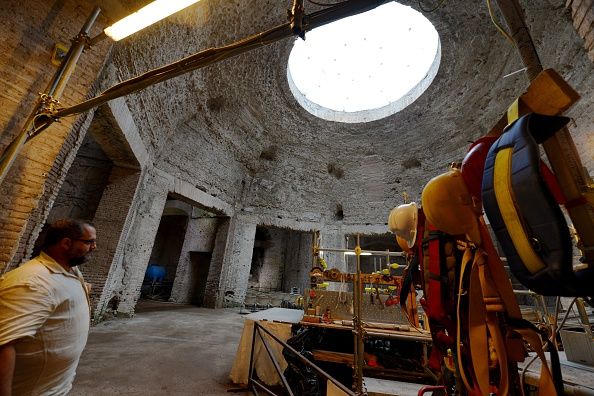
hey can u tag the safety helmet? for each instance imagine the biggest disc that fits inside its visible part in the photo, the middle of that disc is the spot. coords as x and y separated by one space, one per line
403 245
447 205
473 165
402 221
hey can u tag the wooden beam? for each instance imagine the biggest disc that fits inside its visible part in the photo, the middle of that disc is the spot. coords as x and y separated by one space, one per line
547 94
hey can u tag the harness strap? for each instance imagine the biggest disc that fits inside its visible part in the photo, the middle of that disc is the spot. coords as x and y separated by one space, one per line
492 306
548 384
478 336
490 296
461 360
434 298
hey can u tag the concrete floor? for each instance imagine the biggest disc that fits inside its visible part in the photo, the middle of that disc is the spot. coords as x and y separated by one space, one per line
166 349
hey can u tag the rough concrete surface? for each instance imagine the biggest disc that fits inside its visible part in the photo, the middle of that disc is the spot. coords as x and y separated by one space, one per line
166 349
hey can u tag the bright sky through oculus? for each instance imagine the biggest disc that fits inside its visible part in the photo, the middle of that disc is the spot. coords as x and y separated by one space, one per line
367 61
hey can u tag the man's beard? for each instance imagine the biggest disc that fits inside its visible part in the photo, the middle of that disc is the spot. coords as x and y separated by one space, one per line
74 261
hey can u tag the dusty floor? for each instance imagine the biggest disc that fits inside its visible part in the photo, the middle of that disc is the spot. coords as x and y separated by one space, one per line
166 349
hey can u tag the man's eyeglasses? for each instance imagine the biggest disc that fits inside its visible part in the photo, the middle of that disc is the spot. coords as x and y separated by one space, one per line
88 241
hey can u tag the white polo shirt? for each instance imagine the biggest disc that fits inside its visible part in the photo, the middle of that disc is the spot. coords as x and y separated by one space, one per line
45 310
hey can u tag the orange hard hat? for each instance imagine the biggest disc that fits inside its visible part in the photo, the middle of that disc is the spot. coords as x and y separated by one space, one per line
447 205
403 245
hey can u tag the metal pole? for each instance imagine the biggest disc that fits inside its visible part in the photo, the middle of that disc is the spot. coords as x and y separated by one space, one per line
51 95
371 252
212 55
560 148
358 322
204 58
304 360
277 367
579 304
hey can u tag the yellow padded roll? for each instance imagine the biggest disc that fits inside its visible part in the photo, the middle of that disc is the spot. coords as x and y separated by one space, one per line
513 111
505 201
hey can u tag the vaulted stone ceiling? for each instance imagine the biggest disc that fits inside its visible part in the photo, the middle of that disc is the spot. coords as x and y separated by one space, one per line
234 130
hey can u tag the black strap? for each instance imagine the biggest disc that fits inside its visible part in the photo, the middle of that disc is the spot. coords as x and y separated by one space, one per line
408 281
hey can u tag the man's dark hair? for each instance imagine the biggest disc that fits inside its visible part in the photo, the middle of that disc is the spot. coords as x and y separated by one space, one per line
64 228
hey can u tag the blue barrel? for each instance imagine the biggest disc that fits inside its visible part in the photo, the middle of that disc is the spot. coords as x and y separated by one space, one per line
155 273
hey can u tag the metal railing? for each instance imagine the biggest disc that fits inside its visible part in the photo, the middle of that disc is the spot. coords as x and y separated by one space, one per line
254 384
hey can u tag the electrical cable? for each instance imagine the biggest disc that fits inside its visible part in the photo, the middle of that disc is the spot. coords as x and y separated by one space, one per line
428 10
498 25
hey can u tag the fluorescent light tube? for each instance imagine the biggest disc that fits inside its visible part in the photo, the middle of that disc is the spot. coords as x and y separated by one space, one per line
146 16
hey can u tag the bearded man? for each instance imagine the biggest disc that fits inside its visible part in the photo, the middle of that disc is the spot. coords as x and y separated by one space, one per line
45 314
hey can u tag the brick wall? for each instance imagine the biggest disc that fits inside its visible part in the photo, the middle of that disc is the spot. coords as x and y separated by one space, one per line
29 30
582 14
110 220
128 268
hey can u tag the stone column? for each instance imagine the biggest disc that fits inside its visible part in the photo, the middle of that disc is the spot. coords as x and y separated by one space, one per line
128 273
200 237
231 262
298 261
110 220
274 260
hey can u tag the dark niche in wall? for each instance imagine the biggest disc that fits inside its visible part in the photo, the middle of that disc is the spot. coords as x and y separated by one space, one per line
261 243
339 213
83 187
269 153
335 170
411 162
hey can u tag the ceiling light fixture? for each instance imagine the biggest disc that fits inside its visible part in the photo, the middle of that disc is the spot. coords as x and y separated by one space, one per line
146 16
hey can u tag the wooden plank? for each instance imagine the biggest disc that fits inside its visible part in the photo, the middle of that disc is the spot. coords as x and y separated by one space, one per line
383 387
333 357
548 94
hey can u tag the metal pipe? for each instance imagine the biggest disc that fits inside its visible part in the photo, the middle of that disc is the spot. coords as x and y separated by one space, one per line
581 308
359 322
371 252
304 360
207 57
53 92
262 387
67 66
199 60
356 329
275 363
251 369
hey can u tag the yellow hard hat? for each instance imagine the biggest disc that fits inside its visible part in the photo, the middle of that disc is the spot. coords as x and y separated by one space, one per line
448 205
403 222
